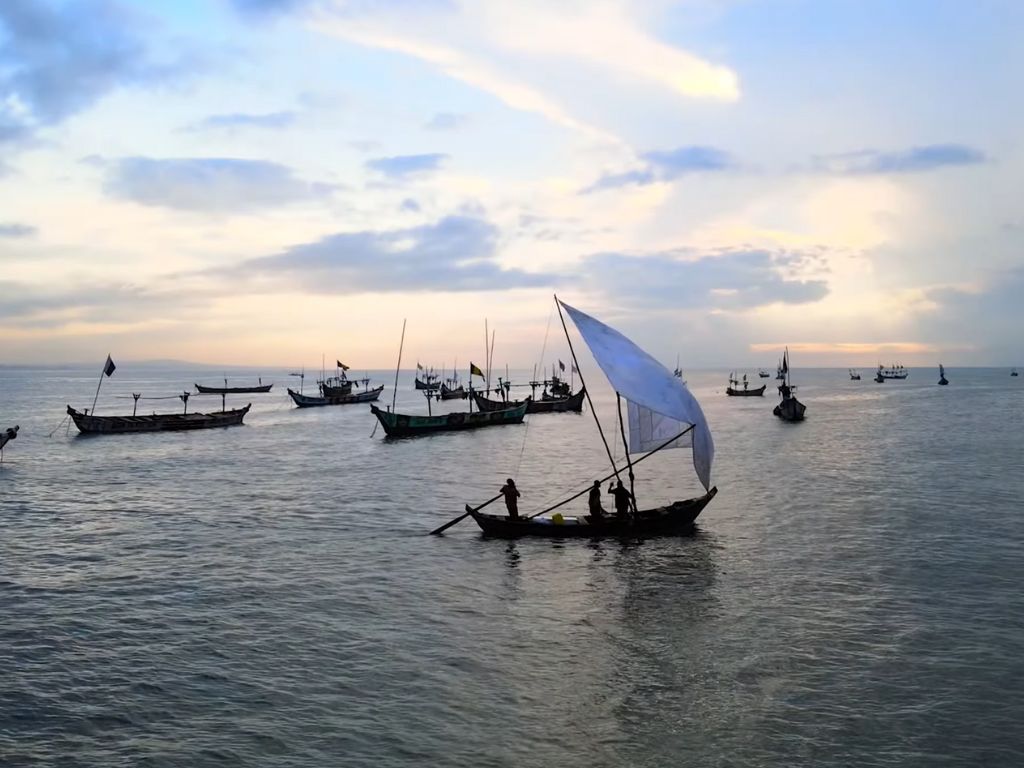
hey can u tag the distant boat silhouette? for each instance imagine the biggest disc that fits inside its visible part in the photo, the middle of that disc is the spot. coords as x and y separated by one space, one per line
942 376
854 375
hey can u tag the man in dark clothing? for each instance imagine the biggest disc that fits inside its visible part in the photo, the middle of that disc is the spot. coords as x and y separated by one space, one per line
511 494
622 498
596 511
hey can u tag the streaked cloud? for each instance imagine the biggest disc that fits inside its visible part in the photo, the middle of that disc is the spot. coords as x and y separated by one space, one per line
667 165
914 160
233 120
446 121
17 230
208 184
457 253
730 279
400 166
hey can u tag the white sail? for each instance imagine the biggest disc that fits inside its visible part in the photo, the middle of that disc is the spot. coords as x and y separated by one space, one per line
659 404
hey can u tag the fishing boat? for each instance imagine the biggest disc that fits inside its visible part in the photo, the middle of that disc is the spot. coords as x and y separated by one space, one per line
335 386
662 413
451 388
411 425
780 375
226 390
571 404
6 436
311 401
1013 372
879 378
427 380
90 424
943 381
854 375
789 409
762 373
733 390
894 371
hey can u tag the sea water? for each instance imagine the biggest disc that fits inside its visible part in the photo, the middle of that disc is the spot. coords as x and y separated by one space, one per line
267 595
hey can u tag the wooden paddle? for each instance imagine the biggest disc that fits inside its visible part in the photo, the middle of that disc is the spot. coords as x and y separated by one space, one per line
467 513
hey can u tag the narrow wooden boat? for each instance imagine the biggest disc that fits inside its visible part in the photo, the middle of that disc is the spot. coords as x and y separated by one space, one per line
943 381
226 390
409 425
157 422
311 401
335 387
756 392
571 404
7 435
429 384
673 519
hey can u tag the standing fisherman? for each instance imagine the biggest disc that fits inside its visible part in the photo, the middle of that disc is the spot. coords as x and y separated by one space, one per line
511 494
622 499
594 502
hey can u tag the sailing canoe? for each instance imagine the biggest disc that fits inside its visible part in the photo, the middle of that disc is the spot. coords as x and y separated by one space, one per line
203 390
311 401
674 519
573 404
157 422
408 425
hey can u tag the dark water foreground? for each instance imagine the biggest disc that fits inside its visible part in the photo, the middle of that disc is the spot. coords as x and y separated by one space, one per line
266 596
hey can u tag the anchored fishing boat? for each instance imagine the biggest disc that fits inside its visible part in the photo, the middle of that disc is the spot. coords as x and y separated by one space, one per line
733 390
762 373
790 409
90 424
411 425
895 371
943 381
6 436
662 413
854 375
571 404
226 390
311 401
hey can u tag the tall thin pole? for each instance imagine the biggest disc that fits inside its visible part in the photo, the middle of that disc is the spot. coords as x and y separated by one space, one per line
490 359
487 364
583 384
98 385
401 346
625 445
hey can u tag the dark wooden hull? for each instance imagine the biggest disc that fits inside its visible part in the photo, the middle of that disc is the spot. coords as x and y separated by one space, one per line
674 519
232 390
406 425
8 434
790 409
571 404
943 382
459 393
311 401
425 385
328 390
759 392
157 422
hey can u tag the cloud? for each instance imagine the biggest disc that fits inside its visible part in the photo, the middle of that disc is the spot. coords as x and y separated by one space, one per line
269 120
17 230
400 166
409 206
446 121
667 165
457 253
57 59
214 184
269 7
732 279
914 160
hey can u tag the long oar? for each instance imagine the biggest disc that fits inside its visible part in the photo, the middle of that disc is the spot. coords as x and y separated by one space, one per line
463 516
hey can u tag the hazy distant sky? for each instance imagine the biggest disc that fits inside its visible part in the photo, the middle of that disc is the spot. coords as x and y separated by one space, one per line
261 181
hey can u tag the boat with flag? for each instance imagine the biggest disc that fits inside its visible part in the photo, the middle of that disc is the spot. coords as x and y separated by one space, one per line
943 381
733 390
570 404
661 414
789 408
426 379
312 401
202 389
894 371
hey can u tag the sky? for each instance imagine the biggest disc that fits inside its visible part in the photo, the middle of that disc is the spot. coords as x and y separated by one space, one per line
267 181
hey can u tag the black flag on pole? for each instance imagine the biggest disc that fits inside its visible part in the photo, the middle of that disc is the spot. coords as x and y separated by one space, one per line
109 368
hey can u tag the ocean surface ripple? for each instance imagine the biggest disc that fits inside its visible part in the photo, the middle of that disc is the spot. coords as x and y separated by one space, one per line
266 595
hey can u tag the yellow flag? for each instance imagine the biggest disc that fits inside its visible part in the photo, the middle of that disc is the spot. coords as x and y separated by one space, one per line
474 371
